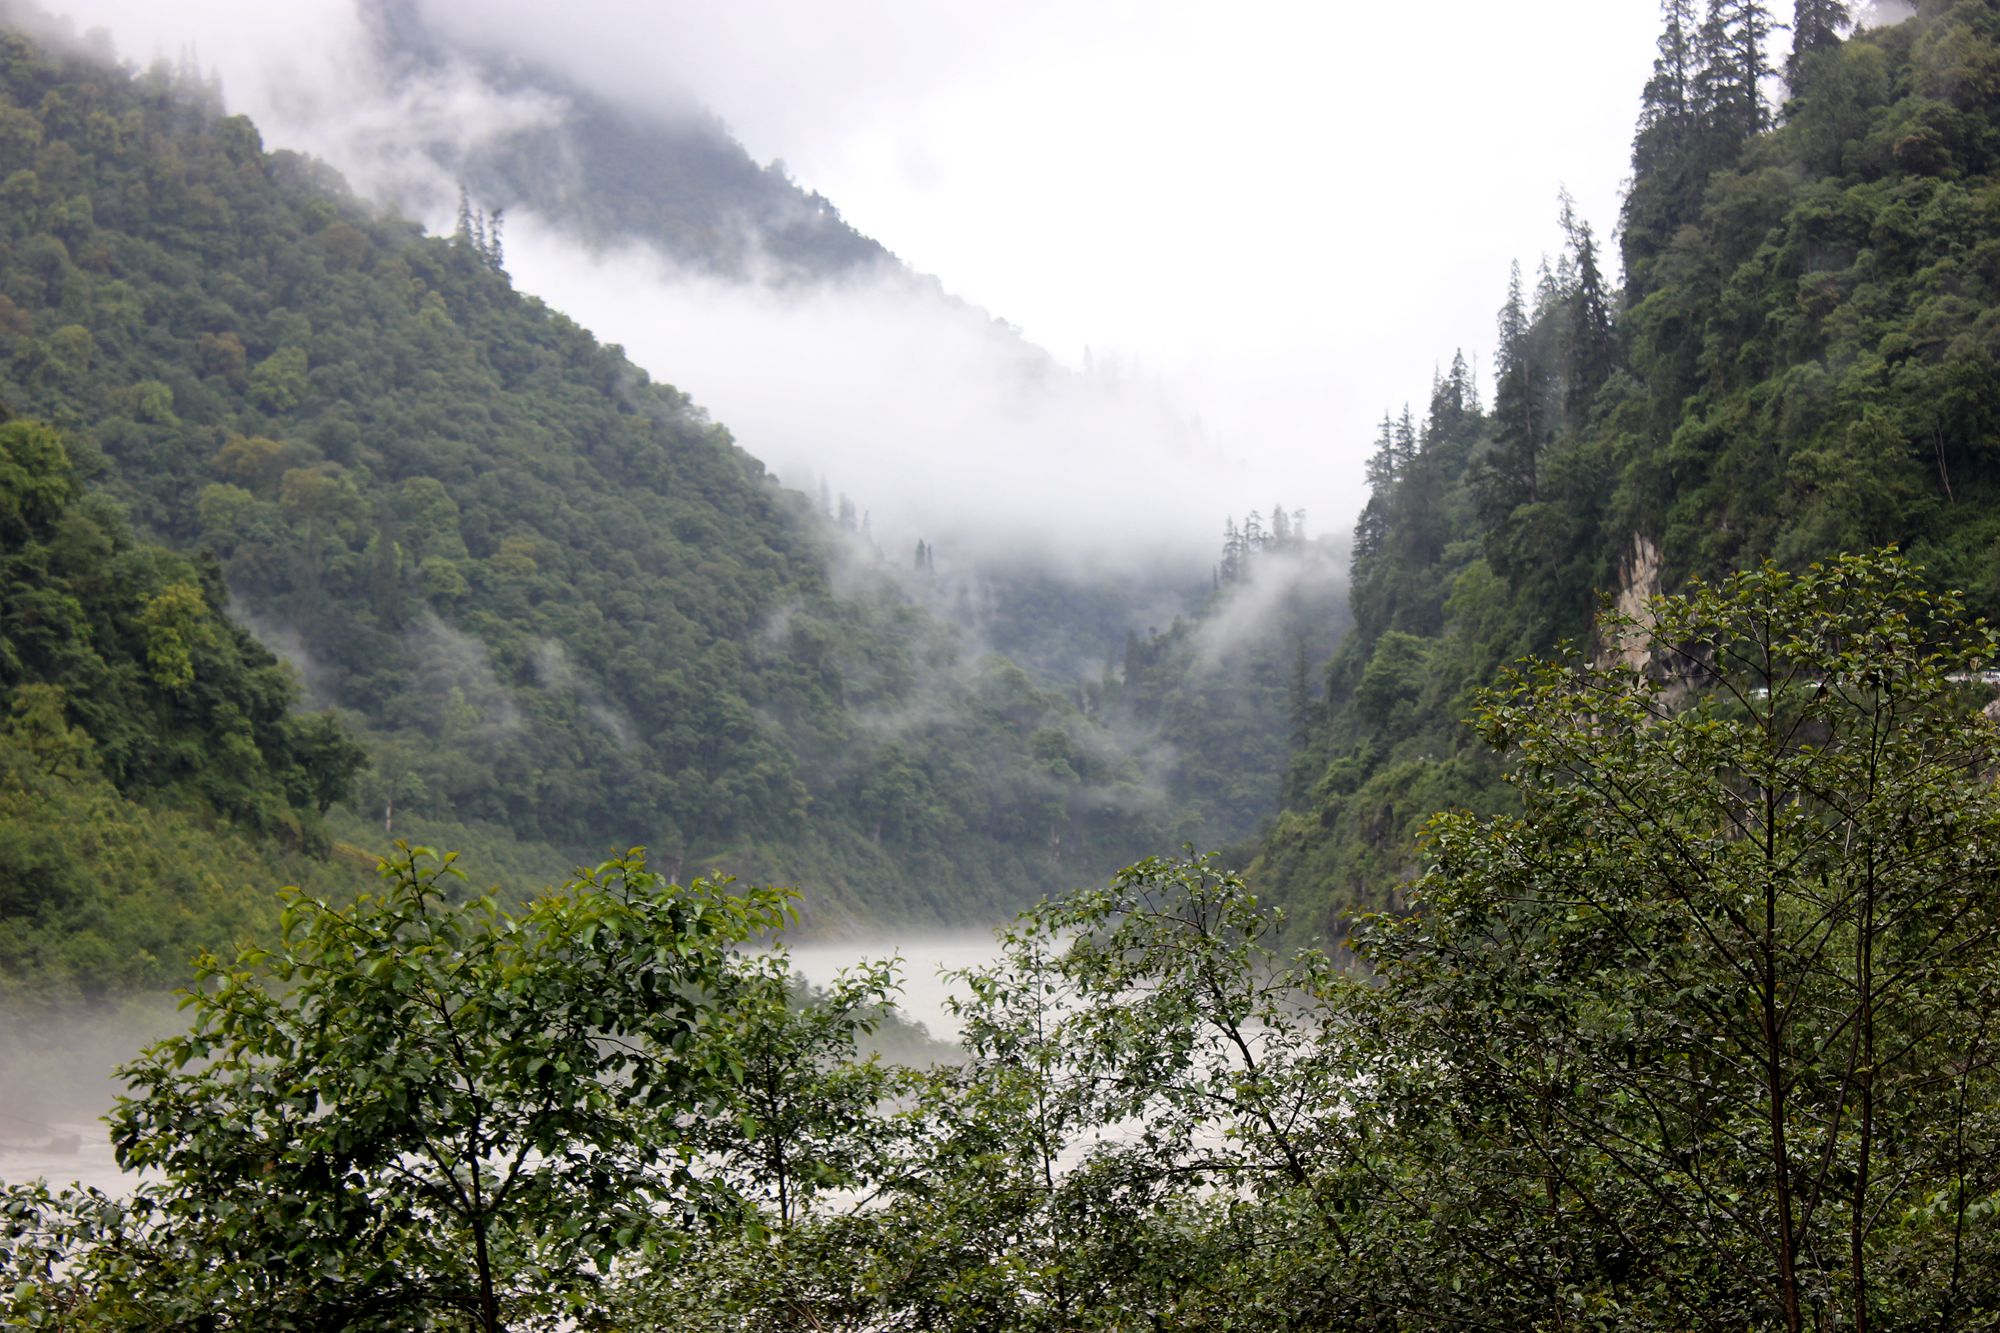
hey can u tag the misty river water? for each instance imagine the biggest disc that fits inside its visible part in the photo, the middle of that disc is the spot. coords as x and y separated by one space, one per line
56 1075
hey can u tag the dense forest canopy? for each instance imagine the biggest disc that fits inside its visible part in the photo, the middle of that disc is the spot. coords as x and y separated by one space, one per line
1800 361
1694 1042
555 604
1681 1018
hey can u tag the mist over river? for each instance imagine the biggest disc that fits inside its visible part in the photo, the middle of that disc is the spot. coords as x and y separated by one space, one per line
57 1068
925 959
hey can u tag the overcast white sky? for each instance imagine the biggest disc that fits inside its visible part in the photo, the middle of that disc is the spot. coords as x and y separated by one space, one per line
1281 214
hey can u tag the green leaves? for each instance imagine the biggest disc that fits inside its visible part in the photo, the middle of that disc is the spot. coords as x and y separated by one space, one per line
1720 995
423 1104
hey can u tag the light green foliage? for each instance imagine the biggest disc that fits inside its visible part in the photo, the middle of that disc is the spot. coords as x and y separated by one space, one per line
1696 1041
171 620
808 1112
1699 1039
125 687
812 1141
103 896
418 1111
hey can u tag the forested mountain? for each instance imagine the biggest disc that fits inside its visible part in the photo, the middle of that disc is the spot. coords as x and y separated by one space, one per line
615 174
1803 361
1690 1028
546 595
662 173
153 775
1227 692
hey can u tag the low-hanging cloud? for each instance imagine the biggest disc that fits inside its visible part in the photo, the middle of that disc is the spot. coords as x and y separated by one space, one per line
311 74
455 679
555 673
939 421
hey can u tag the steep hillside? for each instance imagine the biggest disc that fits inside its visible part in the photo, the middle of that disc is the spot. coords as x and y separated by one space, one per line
552 599
613 174
1804 360
154 782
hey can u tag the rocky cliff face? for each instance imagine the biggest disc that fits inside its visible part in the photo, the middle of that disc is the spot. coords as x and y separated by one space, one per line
1632 597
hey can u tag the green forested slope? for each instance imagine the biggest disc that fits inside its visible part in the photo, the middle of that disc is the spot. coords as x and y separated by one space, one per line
613 174
154 783
1805 359
550 597
1225 694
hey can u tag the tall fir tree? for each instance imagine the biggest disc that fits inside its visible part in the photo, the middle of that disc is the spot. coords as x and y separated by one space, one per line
1406 440
1454 396
1519 426
1587 343
1233 551
1373 524
1817 26
1729 80
1666 148
1669 95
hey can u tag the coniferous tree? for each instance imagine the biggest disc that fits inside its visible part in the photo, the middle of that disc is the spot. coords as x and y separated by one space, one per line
1710 90
1729 82
1517 408
1453 396
1301 696
1373 524
1669 95
1513 324
1665 156
1816 26
1406 440
1750 27
494 254
1550 288
1588 335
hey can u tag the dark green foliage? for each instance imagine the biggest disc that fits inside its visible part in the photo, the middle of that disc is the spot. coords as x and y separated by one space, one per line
129 643
1703 1019
1698 1039
153 775
1803 363
1691 1044
1166 1004
550 596
1219 698
1817 26
102 895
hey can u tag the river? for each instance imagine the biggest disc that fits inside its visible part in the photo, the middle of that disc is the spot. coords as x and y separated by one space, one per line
57 1071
